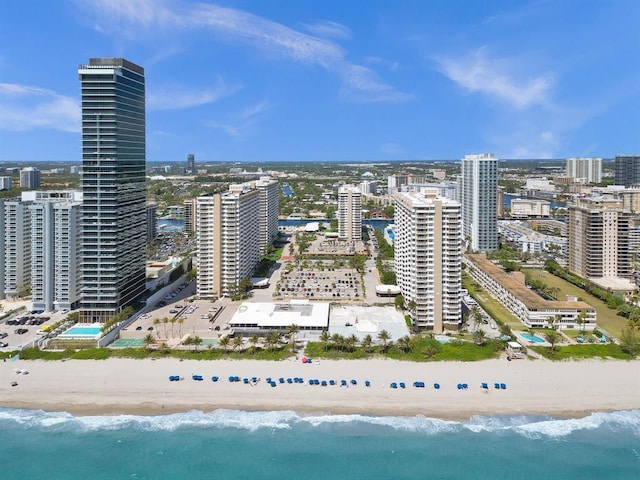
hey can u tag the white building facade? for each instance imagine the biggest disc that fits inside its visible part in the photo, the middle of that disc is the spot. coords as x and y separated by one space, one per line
428 258
585 170
349 213
480 201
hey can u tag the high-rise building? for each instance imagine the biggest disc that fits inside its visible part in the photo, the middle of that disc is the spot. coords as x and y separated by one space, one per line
6 183
190 223
113 186
599 238
29 177
585 170
269 201
55 249
228 239
428 258
349 213
479 202
17 248
627 170
152 221
191 163
368 187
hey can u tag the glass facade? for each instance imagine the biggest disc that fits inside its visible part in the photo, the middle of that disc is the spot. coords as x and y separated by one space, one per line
113 186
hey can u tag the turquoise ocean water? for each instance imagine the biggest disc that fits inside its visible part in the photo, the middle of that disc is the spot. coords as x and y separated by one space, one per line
233 444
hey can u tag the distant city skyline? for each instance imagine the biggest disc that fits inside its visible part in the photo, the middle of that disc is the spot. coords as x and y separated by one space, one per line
268 81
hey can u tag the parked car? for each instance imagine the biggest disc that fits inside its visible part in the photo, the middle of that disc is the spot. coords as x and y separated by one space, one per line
3 344
21 331
4 335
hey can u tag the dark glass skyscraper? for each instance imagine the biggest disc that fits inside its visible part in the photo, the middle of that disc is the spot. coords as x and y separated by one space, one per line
113 186
627 170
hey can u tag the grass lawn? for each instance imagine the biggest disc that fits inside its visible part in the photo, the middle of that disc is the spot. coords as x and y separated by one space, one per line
607 318
583 352
490 304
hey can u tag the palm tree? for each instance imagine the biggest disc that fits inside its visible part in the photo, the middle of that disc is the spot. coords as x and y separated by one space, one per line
224 342
156 322
338 340
552 337
254 342
165 320
366 343
384 337
237 343
479 337
196 341
433 347
351 341
291 331
582 320
173 322
476 317
148 340
273 339
404 343
180 322
325 338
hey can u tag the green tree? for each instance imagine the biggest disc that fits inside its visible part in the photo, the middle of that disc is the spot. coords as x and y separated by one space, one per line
292 330
629 342
366 343
325 338
552 337
148 340
237 343
479 337
432 348
404 344
254 339
224 342
197 341
384 337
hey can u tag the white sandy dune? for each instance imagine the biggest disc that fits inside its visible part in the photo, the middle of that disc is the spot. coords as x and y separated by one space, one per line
142 387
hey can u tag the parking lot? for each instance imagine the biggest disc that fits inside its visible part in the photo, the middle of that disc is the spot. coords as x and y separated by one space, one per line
24 328
327 284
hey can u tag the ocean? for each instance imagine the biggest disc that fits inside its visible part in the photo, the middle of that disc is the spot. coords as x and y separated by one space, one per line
234 444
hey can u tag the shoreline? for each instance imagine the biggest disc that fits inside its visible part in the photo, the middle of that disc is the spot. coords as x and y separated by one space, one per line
141 387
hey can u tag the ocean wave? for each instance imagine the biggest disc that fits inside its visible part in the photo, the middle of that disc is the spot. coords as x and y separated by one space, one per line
526 425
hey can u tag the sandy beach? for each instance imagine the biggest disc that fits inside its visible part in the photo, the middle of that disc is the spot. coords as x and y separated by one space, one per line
123 386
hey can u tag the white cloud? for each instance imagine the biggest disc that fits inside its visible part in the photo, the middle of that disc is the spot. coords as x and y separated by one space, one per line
228 129
383 62
179 97
326 28
237 125
255 110
25 107
239 25
498 78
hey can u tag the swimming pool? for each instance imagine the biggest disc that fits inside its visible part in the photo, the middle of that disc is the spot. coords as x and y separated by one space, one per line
90 331
531 338
444 339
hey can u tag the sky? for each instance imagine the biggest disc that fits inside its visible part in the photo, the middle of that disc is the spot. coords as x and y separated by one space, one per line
332 80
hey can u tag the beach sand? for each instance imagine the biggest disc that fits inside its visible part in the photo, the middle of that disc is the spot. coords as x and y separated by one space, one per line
141 387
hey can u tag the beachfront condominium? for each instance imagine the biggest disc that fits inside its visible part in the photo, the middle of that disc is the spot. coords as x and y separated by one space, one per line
152 221
599 238
627 170
268 215
55 248
584 170
228 239
349 213
428 258
15 270
479 202
190 215
29 177
113 186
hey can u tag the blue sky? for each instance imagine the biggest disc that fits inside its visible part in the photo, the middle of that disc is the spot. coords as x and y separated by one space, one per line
303 80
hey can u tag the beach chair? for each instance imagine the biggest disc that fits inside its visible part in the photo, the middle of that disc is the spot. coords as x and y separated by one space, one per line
484 385
343 383
402 385
353 382
367 383
496 385
503 386
393 385
436 386
214 378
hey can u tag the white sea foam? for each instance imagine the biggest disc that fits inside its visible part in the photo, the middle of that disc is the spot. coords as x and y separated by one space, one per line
528 426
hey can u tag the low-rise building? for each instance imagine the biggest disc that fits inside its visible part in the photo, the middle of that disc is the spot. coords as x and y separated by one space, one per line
530 308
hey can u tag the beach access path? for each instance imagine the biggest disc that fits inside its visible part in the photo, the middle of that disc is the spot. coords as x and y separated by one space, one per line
128 386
